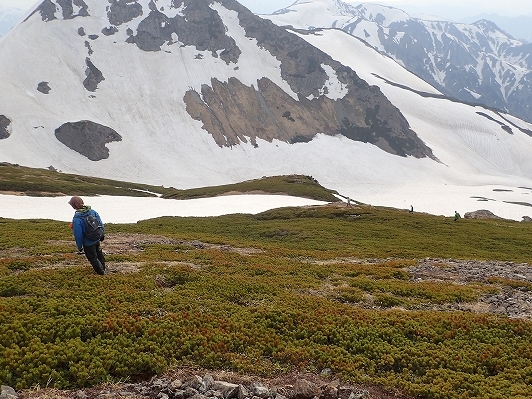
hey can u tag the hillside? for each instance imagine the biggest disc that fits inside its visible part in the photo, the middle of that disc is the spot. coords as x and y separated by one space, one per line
380 297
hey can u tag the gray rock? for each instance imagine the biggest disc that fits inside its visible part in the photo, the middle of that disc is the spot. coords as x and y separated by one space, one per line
362 394
305 389
243 392
208 380
481 214
259 390
228 389
94 76
5 123
195 382
6 392
87 138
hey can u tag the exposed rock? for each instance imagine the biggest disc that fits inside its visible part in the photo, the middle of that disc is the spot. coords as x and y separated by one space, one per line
526 219
6 392
228 390
87 138
235 113
304 389
199 26
123 11
153 32
164 388
94 76
509 301
5 124
81 31
109 31
43 87
48 9
481 214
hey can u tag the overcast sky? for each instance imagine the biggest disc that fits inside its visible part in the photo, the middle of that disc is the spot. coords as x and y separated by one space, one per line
467 7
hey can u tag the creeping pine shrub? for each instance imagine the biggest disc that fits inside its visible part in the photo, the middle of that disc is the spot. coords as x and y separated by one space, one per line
19 265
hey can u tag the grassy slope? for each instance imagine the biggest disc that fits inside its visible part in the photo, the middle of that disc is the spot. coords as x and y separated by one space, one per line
39 182
268 312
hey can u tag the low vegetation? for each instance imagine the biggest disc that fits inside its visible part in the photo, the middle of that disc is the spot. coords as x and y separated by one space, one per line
49 182
45 182
286 290
295 185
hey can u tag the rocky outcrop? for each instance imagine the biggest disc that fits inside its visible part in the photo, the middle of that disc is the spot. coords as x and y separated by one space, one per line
234 387
231 111
44 87
199 26
87 138
123 11
481 214
5 123
49 8
94 76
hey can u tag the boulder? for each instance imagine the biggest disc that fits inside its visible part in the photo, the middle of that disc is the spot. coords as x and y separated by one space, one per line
481 214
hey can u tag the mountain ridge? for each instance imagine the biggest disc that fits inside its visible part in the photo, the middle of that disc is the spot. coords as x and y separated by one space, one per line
472 62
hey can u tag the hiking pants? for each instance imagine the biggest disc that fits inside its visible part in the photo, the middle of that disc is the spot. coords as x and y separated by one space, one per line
95 256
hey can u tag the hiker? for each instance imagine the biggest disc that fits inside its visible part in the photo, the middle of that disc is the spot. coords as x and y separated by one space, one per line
411 209
456 216
89 245
348 201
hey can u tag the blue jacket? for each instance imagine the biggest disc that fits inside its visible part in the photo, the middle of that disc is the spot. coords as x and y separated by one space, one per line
78 227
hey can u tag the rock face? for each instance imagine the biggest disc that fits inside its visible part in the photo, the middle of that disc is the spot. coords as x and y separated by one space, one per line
87 138
94 76
231 111
48 9
481 214
4 127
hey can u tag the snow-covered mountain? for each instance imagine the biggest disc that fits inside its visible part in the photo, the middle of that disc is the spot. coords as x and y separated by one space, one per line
202 92
519 27
475 62
9 17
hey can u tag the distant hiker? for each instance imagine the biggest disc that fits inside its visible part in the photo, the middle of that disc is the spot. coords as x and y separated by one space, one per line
456 216
88 230
411 209
348 201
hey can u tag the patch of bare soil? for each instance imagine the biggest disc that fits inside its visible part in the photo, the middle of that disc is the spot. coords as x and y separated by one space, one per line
130 244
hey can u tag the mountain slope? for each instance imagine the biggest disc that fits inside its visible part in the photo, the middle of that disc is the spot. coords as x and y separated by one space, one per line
144 90
140 91
471 142
476 63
